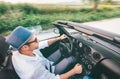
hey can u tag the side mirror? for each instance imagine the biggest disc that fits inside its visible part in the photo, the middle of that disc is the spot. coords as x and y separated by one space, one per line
56 31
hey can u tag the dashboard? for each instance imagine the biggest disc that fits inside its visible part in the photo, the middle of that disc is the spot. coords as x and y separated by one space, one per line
96 60
86 55
96 50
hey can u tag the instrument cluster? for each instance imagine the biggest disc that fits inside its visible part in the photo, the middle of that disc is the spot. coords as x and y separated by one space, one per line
87 56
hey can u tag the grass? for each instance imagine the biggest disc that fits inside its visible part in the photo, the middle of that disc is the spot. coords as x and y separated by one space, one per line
13 15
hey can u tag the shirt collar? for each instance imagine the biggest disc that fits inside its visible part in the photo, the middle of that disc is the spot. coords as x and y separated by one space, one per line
27 58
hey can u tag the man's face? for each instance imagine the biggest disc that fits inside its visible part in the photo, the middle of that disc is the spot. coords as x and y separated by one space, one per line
32 43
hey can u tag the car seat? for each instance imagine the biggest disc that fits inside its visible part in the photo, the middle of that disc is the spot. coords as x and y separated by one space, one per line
7 70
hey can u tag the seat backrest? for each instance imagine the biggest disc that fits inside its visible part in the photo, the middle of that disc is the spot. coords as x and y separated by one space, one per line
3 49
10 68
4 74
7 70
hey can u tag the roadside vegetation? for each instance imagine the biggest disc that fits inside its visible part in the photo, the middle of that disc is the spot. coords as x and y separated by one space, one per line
13 15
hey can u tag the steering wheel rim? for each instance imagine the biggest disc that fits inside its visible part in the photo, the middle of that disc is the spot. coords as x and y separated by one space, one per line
66 47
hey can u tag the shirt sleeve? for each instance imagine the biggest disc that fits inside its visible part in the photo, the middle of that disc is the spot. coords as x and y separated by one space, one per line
43 44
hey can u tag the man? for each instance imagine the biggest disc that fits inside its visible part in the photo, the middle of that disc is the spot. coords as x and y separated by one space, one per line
28 61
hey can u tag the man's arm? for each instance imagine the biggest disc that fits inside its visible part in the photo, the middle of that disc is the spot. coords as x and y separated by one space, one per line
76 70
51 41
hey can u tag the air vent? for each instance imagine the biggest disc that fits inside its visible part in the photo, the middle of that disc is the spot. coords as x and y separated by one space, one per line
96 56
87 50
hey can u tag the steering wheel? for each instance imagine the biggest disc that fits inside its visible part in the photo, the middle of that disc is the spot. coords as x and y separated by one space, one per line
66 47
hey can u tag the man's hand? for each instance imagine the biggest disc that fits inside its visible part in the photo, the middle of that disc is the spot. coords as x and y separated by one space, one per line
51 41
77 69
63 36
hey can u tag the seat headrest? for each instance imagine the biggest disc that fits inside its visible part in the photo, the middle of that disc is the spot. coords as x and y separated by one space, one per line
3 49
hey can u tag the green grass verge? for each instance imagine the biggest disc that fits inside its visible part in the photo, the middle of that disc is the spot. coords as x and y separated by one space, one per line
28 15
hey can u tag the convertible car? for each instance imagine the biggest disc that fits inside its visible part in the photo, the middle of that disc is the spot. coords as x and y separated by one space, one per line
98 50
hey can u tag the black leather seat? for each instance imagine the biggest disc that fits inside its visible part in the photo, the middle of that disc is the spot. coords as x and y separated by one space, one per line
8 72
3 49
6 67
10 68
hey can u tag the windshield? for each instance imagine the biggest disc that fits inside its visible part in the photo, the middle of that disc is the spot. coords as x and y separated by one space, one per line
71 31
106 25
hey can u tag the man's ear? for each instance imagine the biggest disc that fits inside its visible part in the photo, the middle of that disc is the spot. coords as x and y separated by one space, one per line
24 47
